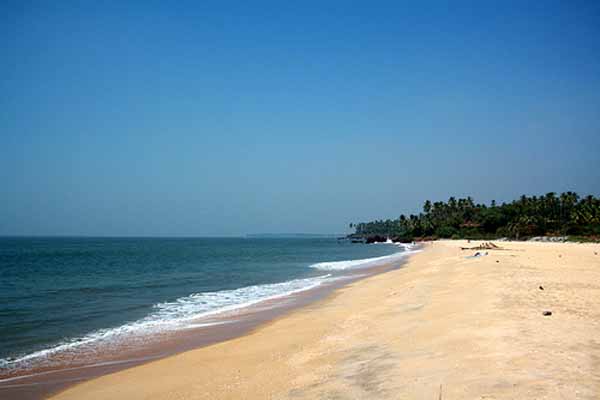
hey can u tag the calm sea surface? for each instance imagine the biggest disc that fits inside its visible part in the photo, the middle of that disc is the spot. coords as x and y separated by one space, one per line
61 295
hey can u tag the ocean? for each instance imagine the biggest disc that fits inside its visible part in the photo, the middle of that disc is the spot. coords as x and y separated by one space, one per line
63 300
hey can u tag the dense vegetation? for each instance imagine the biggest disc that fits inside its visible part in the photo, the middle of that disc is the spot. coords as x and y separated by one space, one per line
548 215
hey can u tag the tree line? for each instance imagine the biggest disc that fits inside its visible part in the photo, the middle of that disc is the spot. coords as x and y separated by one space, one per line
546 215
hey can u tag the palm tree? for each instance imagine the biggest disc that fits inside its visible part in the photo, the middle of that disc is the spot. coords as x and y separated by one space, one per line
427 207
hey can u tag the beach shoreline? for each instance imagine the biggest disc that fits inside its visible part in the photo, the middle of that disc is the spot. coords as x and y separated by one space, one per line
218 328
444 325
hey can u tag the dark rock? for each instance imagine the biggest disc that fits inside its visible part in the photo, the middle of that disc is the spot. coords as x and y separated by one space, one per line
402 239
541 287
376 239
556 239
547 313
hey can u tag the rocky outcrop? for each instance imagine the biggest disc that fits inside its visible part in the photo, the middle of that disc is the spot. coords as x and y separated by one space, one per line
376 239
549 239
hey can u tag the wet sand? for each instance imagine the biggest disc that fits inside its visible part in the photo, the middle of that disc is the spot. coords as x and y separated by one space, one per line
444 326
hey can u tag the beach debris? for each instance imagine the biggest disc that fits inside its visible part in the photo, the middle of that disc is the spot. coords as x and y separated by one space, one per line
554 239
440 396
497 261
547 313
541 287
478 254
484 246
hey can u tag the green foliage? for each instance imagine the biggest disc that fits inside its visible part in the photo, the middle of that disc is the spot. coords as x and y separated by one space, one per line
446 232
565 214
584 239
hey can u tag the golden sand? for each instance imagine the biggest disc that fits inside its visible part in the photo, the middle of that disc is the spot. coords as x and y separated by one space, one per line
443 326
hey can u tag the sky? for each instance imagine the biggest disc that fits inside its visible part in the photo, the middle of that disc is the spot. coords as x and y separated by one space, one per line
226 118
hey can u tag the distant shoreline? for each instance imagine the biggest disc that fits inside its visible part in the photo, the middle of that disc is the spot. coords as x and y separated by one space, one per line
294 235
552 214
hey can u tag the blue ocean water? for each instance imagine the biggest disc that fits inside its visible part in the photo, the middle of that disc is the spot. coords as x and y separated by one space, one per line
61 293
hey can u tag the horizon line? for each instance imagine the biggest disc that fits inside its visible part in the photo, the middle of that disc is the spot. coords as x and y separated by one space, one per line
246 235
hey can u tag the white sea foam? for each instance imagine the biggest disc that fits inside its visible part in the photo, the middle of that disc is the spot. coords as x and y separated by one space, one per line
365 262
182 313
185 312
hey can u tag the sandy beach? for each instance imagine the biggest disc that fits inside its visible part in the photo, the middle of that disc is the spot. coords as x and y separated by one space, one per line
443 326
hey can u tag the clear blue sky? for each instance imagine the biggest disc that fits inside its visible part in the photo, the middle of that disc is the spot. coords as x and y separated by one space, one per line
202 118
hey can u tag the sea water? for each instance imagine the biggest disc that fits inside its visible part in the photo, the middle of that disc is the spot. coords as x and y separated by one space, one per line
62 296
